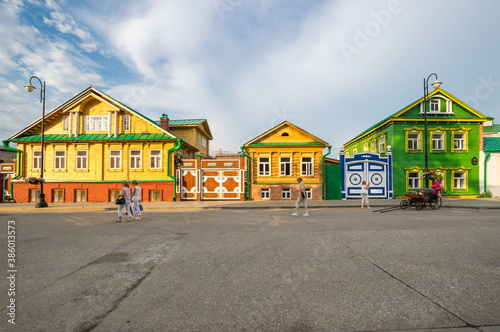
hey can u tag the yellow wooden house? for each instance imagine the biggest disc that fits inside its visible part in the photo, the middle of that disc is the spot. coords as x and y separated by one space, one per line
281 155
91 144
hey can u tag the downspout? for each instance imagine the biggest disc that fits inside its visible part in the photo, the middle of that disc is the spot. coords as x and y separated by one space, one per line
175 148
248 172
8 148
323 167
485 162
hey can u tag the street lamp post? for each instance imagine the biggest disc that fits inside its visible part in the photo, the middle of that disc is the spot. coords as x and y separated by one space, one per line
41 202
435 85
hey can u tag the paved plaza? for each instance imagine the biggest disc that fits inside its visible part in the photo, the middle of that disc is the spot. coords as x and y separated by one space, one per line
254 268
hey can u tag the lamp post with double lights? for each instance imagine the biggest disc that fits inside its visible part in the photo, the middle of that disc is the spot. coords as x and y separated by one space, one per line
435 85
41 202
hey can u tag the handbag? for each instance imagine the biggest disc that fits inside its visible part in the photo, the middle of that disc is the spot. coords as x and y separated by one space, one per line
120 201
140 207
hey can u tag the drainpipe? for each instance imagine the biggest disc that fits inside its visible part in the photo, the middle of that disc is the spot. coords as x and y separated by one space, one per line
485 162
323 167
175 148
248 172
8 148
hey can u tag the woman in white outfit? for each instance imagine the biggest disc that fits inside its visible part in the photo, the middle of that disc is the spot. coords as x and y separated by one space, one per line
136 198
125 193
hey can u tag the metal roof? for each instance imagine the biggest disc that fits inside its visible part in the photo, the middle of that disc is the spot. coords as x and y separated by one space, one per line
94 137
184 122
491 144
491 129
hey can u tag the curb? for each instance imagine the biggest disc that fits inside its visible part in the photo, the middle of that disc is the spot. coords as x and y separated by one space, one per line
250 207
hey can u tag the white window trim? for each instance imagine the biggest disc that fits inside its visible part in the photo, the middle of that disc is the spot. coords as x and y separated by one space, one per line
462 178
95 122
284 163
61 158
119 157
310 164
38 160
135 157
441 140
309 193
286 192
435 101
82 157
415 140
417 178
267 193
65 123
267 169
126 122
463 140
156 158
381 144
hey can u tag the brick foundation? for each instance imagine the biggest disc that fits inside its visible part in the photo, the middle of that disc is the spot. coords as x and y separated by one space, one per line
276 190
96 192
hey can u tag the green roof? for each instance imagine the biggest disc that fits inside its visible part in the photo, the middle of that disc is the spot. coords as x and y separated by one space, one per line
183 122
492 144
94 137
491 129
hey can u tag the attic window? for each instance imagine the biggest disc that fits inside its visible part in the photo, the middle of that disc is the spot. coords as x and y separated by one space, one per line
285 134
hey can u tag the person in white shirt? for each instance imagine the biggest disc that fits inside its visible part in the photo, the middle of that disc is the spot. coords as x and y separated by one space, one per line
301 199
364 194
136 198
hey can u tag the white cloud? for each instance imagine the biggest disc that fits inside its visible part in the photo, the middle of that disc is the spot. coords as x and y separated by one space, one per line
65 23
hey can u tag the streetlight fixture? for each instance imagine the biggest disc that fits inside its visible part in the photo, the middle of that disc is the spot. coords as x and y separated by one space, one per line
435 85
30 88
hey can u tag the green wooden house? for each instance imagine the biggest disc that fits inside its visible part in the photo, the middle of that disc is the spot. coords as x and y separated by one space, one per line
454 144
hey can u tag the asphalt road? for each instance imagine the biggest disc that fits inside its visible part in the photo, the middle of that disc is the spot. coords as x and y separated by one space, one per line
254 270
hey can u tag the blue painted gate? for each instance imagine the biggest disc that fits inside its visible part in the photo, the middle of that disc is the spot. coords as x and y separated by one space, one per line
370 167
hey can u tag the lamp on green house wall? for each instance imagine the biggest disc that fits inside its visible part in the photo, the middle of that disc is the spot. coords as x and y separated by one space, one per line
41 199
435 85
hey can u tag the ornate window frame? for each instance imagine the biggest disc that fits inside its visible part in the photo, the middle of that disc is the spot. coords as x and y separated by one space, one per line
460 130
438 130
414 130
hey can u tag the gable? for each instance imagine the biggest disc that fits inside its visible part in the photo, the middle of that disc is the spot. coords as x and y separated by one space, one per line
440 105
93 107
450 109
285 134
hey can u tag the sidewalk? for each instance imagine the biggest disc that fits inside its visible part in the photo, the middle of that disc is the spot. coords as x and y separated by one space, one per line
467 203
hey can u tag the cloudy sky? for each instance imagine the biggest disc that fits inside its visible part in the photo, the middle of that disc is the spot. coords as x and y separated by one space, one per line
331 67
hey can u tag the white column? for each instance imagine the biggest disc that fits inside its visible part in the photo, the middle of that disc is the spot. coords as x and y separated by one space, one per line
109 123
70 124
116 123
77 123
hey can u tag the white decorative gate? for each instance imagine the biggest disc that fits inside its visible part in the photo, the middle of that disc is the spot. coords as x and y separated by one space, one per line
369 167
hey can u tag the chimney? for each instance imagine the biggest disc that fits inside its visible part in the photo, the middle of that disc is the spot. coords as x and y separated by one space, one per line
164 121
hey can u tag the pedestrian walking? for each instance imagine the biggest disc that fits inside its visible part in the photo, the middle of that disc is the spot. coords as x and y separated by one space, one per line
136 198
364 194
301 198
125 193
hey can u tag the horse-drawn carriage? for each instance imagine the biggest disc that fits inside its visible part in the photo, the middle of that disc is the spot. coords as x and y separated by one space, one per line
419 198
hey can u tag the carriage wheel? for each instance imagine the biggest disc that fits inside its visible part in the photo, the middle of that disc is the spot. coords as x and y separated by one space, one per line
419 206
435 203
403 204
